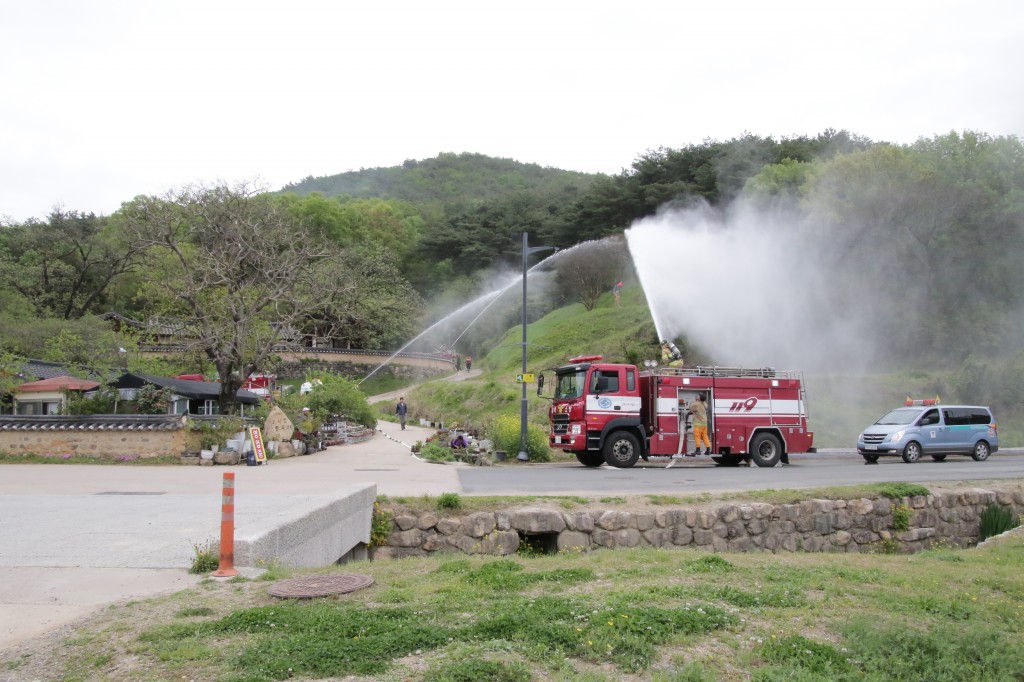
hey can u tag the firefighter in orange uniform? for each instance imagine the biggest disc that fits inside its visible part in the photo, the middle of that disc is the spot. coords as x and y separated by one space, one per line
699 410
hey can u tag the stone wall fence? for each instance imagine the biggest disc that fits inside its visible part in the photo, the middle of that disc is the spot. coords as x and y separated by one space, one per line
108 436
860 525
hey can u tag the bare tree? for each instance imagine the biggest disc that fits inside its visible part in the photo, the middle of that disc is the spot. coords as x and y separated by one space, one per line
591 269
236 271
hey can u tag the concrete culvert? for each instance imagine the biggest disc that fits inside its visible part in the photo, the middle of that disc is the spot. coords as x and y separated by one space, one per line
539 543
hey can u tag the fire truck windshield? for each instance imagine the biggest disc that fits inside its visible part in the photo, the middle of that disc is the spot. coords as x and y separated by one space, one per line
570 385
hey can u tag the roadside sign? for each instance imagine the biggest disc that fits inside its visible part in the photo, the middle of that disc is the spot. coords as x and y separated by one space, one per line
257 444
526 378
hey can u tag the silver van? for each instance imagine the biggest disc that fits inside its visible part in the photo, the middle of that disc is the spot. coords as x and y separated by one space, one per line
935 430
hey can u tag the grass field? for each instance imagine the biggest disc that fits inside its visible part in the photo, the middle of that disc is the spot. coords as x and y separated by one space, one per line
606 616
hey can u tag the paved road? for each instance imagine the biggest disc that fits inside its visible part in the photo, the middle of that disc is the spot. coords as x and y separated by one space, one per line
687 476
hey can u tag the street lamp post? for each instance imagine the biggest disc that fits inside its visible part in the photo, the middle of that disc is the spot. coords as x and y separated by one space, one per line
527 250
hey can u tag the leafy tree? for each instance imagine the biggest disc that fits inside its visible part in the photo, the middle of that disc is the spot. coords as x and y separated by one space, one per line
87 341
377 308
103 400
150 399
239 272
336 395
65 266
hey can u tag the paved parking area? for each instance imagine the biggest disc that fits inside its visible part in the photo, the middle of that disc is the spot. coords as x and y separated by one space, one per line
76 537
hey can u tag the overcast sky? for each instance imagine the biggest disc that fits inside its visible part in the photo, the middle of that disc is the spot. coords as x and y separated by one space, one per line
103 100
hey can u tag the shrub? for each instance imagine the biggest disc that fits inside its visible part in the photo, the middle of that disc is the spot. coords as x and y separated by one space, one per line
206 559
449 501
436 453
150 399
901 517
380 526
996 520
505 432
341 396
896 491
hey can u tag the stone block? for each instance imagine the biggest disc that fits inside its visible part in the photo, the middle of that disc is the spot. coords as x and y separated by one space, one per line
682 536
407 538
405 521
581 521
615 520
667 518
427 521
449 526
644 521
538 520
658 537
571 540
478 524
227 457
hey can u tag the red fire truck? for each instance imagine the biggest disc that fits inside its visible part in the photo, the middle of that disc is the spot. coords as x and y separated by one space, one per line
617 414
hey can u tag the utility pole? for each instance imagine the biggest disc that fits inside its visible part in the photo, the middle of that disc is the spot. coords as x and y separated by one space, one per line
527 250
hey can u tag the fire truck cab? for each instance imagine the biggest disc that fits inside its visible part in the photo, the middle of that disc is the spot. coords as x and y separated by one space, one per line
616 414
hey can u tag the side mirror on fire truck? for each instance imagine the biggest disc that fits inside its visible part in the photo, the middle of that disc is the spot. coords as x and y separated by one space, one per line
540 383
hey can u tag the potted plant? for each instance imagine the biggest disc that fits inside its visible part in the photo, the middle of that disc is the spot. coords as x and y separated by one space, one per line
208 446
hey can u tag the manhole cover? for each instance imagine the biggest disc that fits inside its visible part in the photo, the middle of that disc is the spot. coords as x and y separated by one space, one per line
319 585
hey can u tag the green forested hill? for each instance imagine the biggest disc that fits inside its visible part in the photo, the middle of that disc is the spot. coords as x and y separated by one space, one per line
447 179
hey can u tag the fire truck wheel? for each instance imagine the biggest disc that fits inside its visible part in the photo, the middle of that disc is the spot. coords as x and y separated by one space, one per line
765 450
981 451
938 458
590 459
912 452
621 450
870 459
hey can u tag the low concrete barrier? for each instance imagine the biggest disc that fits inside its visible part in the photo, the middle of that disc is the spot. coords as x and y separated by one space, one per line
315 531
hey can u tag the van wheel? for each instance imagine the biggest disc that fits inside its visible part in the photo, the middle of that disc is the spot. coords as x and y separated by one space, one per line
870 459
981 451
590 459
621 450
912 452
938 458
765 450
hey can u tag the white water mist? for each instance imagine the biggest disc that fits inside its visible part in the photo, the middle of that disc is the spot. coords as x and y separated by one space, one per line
744 287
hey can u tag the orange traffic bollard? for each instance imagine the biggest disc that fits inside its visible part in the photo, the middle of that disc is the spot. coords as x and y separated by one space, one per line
227 529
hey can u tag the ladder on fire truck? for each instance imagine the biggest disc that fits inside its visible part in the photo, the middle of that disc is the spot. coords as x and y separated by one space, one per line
715 371
744 372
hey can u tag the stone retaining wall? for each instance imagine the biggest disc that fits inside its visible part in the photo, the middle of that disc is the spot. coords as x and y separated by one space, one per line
811 526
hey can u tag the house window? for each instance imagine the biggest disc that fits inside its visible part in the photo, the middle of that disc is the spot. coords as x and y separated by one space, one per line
29 407
209 407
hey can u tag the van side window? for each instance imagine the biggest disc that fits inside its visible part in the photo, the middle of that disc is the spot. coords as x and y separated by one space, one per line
956 416
980 417
930 417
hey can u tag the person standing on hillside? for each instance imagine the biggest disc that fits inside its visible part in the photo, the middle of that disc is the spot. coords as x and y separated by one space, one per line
469 362
401 410
700 425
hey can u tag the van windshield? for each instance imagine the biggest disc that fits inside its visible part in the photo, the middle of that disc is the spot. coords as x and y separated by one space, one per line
903 415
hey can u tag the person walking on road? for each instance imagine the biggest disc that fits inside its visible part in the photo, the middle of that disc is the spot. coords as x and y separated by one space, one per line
700 425
469 362
401 410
